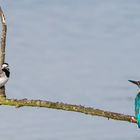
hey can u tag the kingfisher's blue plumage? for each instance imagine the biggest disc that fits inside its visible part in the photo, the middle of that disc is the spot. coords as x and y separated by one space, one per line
137 103
137 108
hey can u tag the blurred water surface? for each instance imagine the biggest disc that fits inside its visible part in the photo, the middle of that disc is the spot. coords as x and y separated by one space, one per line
79 52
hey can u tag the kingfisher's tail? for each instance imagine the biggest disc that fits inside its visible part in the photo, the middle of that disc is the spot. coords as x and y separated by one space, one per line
138 123
138 120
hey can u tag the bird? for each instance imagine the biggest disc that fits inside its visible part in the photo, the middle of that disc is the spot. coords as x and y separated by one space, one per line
137 102
4 74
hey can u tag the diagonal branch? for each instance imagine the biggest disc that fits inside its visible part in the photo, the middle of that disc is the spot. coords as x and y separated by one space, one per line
49 104
3 37
68 107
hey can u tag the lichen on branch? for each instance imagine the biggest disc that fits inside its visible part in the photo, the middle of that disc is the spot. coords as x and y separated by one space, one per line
67 107
48 104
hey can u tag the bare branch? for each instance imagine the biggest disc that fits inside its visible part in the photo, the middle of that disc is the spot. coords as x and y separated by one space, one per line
3 37
48 104
68 107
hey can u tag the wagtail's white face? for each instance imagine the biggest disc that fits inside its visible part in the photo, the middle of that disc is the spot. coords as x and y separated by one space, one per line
4 75
5 66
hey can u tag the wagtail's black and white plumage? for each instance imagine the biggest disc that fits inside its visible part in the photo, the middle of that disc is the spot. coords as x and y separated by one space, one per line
4 74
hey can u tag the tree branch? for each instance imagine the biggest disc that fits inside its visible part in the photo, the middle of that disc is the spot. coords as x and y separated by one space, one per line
48 104
2 48
3 37
68 107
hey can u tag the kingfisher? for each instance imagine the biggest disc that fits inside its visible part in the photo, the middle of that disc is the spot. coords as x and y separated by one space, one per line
137 102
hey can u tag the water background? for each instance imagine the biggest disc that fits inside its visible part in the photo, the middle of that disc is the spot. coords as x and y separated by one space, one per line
78 52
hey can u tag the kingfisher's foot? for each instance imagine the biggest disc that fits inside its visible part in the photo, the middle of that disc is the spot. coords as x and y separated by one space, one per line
133 119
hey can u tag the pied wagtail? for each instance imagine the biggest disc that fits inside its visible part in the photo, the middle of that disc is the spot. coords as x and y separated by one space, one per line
4 74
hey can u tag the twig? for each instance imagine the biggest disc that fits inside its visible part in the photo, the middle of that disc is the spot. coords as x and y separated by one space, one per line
68 107
2 48
3 37
48 104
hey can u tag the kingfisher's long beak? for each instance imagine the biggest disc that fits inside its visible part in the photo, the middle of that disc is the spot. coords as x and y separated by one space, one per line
134 82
